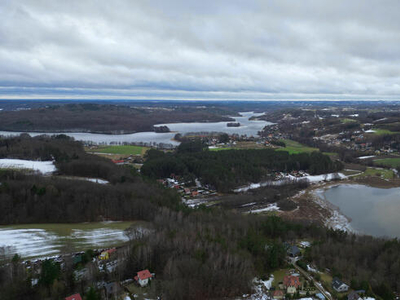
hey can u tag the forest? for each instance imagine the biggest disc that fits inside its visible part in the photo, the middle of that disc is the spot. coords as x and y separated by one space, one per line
32 198
225 170
96 118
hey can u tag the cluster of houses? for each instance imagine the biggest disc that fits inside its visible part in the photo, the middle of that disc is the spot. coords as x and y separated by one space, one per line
116 290
197 191
106 261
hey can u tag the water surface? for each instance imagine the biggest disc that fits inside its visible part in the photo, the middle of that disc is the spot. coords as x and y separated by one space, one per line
373 211
249 128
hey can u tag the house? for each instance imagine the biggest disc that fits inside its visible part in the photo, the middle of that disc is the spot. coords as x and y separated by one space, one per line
143 277
107 253
278 294
353 296
74 297
339 286
293 251
291 283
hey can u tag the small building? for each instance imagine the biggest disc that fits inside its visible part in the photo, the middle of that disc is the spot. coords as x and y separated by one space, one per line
278 294
291 283
74 297
293 251
353 296
339 286
107 253
143 277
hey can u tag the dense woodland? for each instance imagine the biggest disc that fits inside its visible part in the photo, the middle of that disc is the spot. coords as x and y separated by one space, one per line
228 169
88 117
38 199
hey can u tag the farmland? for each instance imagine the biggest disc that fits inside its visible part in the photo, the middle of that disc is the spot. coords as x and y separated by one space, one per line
388 162
121 149
294 147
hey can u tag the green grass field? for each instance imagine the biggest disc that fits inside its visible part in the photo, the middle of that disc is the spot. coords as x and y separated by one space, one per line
294 147
384 173
380 131
220 149
123 149
346 120
389 162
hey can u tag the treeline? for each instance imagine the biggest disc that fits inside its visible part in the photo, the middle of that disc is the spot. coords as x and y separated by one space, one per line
69 156
104 118
225 170
37 199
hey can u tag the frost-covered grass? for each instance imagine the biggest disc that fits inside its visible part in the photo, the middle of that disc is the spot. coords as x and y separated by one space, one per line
44 167
39 240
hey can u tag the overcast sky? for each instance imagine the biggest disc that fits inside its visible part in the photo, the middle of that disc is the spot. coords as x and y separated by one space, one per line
200 49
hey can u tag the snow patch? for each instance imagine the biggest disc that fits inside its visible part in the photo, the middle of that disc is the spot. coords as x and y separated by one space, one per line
44 167
270 207
366 157
289 179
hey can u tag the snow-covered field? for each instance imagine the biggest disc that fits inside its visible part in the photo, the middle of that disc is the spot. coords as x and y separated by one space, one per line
289 178
270 207
35 242
44 167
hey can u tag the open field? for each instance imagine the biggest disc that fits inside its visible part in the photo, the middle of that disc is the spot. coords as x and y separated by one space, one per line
40 240
380 131
347 120
389 162
241 146
121 149
278 276
294 147
375 172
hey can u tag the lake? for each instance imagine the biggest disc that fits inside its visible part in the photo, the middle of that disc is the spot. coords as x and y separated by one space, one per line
373 211
249 128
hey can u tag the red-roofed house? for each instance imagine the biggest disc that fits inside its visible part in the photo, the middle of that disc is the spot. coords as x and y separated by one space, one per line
278 294
74 297
143 277
292 283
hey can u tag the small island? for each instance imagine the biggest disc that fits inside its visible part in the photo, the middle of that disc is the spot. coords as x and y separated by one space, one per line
233 124
161 129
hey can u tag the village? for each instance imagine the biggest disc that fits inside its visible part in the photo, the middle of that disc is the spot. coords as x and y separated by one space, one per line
299 280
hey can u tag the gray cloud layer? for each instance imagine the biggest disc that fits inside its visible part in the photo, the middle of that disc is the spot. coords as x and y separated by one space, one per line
200 49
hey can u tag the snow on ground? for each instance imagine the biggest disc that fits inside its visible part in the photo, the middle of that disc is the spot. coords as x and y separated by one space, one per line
249 204
40 242
44 167
289 179
310 269
270 207
366 157
336 220
370 131
368 298
261 288
97 180
339 221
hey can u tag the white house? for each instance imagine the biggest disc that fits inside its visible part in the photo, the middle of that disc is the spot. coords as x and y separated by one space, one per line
143 277
339 286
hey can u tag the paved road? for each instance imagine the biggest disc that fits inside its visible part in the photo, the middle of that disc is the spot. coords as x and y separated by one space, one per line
316 283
